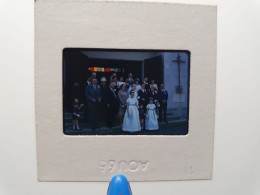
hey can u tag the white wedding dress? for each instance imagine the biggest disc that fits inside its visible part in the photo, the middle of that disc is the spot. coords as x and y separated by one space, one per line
131 121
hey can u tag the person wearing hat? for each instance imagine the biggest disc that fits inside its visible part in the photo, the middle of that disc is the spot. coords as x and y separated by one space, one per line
151 122
131 121
103 79
103 82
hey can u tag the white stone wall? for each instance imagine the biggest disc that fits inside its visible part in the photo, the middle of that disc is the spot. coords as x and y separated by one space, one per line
177 102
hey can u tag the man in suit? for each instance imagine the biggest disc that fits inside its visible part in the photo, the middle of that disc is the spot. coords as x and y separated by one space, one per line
163 97
147 86
153 94
93 96
142 96
111 100
114 80
89 81
86 109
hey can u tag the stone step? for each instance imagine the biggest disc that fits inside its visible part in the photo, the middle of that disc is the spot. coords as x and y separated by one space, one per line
117 130
82 119
170 119
68 116
103 124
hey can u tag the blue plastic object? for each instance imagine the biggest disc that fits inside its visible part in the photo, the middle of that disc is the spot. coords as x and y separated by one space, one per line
119 185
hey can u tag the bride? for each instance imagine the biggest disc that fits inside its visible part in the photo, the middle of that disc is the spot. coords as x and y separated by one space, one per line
131 120
133 88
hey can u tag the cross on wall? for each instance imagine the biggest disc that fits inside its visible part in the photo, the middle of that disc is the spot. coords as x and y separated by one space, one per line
179 62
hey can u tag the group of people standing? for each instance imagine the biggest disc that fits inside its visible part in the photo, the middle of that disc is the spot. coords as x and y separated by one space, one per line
135 104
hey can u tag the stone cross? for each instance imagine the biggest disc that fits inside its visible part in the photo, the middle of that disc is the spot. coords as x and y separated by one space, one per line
179 61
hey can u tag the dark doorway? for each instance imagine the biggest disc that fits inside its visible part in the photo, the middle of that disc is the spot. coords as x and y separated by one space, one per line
77 67
153 68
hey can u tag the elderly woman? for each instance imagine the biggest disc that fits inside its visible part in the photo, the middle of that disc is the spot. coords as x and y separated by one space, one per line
123 96
154 85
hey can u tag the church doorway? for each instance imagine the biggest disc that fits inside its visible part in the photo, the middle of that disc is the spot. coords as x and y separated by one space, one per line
153 69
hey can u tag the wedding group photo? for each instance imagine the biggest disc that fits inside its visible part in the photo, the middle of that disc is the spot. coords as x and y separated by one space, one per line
125 92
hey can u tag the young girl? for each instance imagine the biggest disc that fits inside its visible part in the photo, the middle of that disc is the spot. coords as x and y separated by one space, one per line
151 122
75 114
141 116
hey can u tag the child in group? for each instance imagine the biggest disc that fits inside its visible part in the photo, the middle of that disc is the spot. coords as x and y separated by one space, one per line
75 114
141 116
151 122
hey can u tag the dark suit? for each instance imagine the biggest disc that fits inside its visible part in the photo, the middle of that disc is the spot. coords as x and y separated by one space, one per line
93 93
143 95
163 97
117 88
147 86
86 109
103 103
154 95
111 110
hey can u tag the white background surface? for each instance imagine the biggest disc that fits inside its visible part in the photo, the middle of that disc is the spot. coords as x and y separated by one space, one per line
237 134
